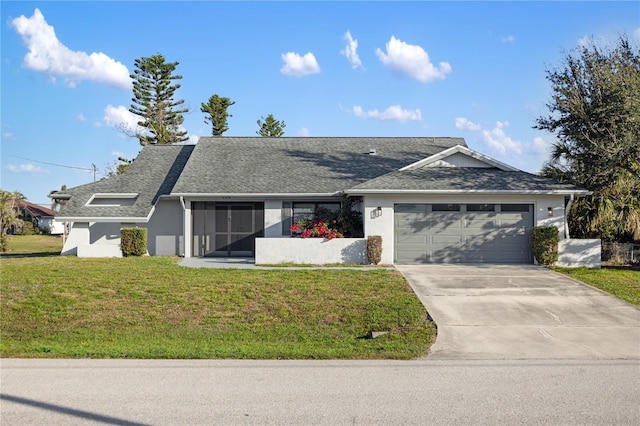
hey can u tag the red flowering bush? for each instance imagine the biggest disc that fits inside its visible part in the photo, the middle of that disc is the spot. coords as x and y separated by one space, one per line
330 224
315 229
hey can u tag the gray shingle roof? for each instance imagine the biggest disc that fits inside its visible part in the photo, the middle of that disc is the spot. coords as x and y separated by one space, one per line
462 179
153 173
255 165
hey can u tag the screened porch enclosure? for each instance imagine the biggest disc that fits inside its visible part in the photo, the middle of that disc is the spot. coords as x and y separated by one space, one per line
226 229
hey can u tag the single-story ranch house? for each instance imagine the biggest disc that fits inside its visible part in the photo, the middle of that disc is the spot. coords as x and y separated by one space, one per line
431 199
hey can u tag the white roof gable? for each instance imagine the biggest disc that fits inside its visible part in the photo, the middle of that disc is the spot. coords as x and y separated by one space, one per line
459 156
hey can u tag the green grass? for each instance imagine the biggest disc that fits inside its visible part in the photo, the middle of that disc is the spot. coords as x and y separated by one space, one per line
622 283
152 308
40 244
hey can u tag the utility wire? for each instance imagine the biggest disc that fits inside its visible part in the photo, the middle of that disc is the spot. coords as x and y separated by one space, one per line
52 164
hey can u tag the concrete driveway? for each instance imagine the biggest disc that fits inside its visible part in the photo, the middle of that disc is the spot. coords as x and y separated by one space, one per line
522 312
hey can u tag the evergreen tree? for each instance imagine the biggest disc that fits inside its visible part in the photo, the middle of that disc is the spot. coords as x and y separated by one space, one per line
216 110
270 127
153 100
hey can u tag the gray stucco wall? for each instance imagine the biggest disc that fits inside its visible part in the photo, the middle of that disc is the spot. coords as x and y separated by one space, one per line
165 229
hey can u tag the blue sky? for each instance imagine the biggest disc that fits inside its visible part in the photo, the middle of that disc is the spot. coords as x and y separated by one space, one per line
467 69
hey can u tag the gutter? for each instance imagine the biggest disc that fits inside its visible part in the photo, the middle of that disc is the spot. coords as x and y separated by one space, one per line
566 213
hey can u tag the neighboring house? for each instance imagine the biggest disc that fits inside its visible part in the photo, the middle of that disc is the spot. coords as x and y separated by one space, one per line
432 200
41 217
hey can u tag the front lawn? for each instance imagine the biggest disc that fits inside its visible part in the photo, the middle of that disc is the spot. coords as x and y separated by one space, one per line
622 283
41 244
152 308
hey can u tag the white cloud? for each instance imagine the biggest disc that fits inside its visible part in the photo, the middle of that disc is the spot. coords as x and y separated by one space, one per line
304 132
299 66
636 34
539 146
124 120
411 60
393 113
8 136
508 39
464 124
500 143
121 118
350 51
27 168
81 117
48 55
117 154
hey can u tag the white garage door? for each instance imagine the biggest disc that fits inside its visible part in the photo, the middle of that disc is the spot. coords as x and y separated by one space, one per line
463 233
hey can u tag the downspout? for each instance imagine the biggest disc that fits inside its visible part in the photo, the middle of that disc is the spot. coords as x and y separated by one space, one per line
184 218
566 217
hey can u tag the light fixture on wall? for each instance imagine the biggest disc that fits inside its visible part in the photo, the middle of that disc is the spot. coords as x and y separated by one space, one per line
378 212
549 211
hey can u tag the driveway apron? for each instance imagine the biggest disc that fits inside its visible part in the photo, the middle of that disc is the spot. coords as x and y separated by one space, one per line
522 312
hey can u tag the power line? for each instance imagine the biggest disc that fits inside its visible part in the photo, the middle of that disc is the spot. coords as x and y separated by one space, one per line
54 164
93 168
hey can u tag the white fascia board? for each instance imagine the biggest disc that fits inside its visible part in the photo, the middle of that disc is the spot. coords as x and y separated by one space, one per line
225 196
462 150
102 219
465 191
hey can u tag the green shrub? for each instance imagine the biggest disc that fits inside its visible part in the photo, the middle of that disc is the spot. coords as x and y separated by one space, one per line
133 241
28 228
544 242
374 248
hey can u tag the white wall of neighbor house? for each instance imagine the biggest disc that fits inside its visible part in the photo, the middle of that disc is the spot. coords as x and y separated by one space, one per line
55 228
383 224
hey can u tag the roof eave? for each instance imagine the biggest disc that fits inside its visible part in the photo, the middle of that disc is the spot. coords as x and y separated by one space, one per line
256 194
467 191
101 219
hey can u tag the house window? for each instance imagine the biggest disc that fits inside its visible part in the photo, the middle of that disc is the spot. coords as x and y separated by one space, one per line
481 207
445 207
516 208
293 212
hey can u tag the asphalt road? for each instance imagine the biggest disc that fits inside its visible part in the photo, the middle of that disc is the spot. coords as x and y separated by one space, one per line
421 392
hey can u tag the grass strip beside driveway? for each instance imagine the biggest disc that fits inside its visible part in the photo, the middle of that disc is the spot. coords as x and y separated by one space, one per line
152 308
621 283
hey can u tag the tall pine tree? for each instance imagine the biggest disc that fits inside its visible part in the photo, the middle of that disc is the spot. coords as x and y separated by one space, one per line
153 100
270 127
216 110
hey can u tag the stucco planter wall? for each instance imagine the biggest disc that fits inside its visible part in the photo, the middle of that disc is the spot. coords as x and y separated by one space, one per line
577 253
315 251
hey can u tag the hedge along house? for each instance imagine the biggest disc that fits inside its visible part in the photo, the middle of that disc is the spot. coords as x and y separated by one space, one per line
432 200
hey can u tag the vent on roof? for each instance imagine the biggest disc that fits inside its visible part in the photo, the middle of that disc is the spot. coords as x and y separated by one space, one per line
372 151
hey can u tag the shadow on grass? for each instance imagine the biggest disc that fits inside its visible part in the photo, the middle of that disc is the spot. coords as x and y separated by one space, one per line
33 254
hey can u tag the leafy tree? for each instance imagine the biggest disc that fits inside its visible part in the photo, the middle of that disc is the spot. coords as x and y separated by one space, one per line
270 127
153 100
595 114
9 214
216 110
